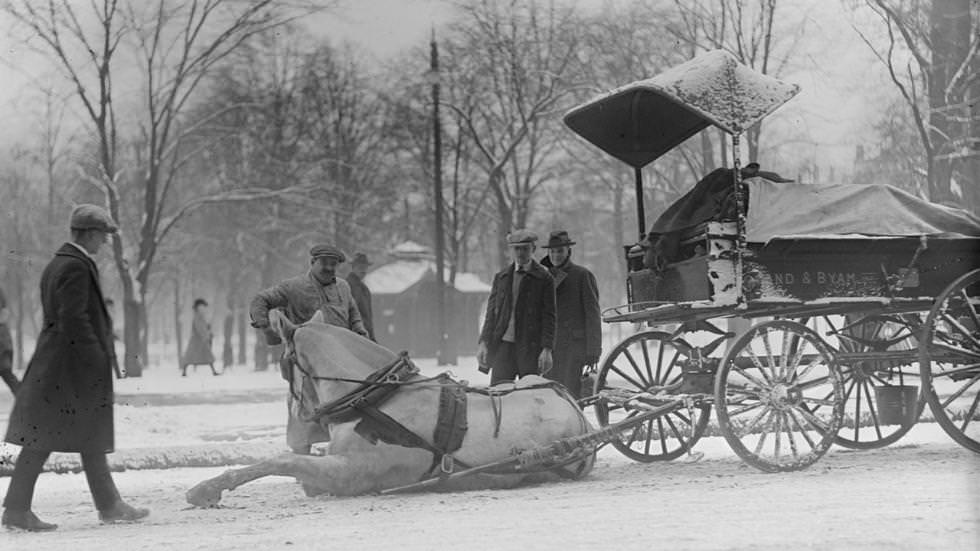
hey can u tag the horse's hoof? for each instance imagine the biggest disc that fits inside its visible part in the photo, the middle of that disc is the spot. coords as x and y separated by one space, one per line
204 495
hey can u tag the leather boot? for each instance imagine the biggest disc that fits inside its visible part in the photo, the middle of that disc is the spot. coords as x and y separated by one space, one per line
25 520
122 512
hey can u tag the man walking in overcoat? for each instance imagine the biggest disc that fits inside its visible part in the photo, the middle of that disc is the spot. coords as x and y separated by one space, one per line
518 332
65 401
361 292
300 298
578 339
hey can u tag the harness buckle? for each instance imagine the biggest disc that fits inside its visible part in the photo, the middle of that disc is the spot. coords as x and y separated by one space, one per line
447 463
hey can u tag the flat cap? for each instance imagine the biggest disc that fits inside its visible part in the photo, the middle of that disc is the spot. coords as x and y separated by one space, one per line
92 217
521 237
360 259
327 250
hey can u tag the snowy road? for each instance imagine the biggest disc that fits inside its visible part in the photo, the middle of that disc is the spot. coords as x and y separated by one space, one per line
922 493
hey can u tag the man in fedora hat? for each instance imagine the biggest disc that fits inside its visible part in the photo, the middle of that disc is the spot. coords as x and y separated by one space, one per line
300 298
578 337
64 403
362 294
518 332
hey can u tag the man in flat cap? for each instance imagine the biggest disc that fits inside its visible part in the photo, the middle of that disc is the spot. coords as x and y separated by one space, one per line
518 332
362 294
64 403
300 298
578 340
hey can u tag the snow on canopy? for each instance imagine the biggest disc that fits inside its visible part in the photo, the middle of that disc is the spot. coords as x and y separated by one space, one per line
412 264
641 121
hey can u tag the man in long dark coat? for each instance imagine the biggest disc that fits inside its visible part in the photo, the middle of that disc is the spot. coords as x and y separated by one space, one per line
518 332
578 340
300 298
362 294
65 400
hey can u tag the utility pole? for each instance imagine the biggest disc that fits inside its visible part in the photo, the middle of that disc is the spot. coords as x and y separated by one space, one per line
443 355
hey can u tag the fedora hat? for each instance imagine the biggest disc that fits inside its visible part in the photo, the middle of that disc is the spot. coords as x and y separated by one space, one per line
558 238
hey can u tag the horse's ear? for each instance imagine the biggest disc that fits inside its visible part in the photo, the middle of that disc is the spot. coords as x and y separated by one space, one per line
281 325
318 317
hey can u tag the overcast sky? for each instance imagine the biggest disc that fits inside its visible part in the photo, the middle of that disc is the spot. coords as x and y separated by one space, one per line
840 84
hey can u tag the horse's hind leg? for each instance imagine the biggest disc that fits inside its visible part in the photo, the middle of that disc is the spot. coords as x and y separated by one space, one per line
304 468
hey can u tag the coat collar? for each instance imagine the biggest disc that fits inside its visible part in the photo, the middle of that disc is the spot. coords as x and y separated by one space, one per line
71 249
534 270
559 273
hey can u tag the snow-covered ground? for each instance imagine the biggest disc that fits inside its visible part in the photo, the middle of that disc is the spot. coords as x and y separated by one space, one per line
923 493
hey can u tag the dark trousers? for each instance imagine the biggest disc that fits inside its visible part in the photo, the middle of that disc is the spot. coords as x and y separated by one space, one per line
506 366
29 464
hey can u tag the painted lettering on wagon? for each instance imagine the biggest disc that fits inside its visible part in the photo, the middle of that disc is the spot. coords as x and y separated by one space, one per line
815 278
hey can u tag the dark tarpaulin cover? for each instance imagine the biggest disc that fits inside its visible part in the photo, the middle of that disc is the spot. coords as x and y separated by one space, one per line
827 210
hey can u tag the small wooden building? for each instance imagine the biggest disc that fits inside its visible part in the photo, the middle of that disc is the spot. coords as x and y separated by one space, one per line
405 304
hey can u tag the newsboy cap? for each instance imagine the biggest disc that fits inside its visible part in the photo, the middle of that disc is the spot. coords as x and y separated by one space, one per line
92 217
521 237
360 259
558 238
327 250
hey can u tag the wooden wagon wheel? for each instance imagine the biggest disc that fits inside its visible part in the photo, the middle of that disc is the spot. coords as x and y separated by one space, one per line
638 364
878 392
766 390
949 360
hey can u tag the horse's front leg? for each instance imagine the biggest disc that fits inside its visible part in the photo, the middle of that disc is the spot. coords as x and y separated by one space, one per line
308 469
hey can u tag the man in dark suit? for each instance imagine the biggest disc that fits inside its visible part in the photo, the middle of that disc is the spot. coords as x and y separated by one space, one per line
65 400
578 341
518 332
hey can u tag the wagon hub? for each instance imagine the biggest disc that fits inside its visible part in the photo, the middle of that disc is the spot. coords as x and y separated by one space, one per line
783 396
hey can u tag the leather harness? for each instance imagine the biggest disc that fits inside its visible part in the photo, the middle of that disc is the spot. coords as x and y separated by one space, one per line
364 403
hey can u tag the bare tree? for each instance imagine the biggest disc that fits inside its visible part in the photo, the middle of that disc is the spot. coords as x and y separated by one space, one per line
178 45
932 54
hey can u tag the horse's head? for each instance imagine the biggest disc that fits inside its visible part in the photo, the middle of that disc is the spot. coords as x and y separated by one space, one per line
321 355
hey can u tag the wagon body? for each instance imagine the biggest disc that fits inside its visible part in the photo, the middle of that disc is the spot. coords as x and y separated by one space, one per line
875 294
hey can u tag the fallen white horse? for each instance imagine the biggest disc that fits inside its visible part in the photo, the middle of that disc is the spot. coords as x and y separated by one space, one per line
390 427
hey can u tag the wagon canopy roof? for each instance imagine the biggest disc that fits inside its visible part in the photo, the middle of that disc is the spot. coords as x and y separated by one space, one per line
641 121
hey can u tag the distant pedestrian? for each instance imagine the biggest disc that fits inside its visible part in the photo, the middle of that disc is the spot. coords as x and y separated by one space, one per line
6 347
362 294
65 401
198 350
578 337
518 332
300 298
110 308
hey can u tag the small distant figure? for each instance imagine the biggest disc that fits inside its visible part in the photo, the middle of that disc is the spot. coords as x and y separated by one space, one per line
110 308
6 347
362 294
518 332
198 350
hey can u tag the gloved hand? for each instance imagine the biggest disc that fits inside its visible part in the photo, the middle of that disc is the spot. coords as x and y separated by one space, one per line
481 358
271 337
544 361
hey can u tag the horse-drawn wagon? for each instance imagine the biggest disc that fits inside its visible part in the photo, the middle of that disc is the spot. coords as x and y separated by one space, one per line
864 298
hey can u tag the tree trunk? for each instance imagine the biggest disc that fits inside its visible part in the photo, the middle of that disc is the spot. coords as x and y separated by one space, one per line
242 334
177 329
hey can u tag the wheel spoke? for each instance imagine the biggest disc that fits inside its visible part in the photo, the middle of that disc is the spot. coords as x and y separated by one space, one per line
751 379
745 409
748 428
960 392
768 347
777 432
755 361
814 420
676 432
872 410
632 381
857 412
803 431
955 323
660 362
663 441
789 434
636 368
969 308
763 435
970 413
646 361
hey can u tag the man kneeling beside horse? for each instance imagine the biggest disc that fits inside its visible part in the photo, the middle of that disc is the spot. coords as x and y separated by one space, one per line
393 429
